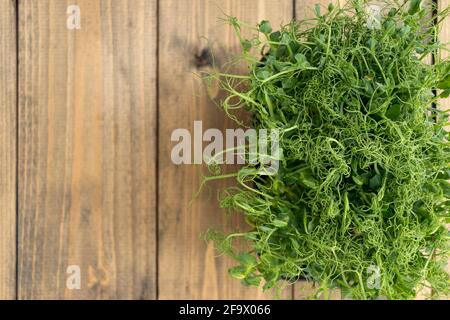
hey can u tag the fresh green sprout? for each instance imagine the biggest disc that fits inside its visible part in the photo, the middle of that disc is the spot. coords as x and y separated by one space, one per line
363 178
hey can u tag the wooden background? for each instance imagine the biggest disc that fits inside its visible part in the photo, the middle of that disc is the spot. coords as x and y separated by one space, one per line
85 171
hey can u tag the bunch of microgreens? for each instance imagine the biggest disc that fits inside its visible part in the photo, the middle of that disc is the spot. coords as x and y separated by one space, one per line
361 197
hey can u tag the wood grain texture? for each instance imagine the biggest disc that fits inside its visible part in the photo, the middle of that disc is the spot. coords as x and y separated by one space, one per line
304 9
87 109
188 267
8 152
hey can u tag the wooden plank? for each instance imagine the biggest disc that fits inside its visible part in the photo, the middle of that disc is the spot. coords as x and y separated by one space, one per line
188 268
87 110
8 152
304 9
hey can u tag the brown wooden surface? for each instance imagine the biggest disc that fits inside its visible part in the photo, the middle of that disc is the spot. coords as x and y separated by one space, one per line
87 108
8 119
188 267
95 184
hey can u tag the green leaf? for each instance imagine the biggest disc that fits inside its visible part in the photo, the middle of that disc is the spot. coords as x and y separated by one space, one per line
253 281
307 178
279 223
405 30
358 180
290 83
445 94
394 112
375 181
281 66
271 279
251 236
265 27
317 10
269 284
372 43
389 26
311 225
392 12
275 36
444 84
285 39
365 177
265 229
354 165
295 46
301 59
238 272
247 259
263 74
414 6
444 174
310 183
247 45
420 50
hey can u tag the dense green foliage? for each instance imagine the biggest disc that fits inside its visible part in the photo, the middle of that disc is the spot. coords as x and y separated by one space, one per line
362 184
